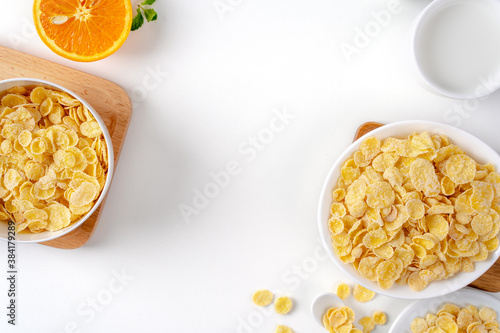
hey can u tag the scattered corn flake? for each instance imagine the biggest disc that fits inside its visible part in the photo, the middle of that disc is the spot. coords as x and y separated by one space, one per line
343 290
362 294
283 329
283 305
368 324
262 297
379 317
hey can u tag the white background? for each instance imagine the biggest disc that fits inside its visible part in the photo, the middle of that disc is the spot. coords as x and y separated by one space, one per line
220 76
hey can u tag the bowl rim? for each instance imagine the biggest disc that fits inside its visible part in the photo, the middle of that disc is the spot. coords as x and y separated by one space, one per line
325 202
22 81
421 22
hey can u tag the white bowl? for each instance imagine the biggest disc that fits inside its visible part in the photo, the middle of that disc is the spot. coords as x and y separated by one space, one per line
456 48
461 298
49 235
474 147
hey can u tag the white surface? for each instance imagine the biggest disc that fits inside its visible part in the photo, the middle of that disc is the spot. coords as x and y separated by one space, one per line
471 145
219 82
454 46
461 298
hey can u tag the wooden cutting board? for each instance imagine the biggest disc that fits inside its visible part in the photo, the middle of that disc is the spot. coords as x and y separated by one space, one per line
109 100
489 281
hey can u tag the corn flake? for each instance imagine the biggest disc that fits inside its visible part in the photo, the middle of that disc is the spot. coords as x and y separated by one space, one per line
379 317
379 195
419 325
335 225
366 267
370 148
338 209
460 168
283 329
283 305
438 226
482 196
487 314
337 318
343 291
262 297
368 324
423 177
337 195
416 282
362 295
59 216
91 129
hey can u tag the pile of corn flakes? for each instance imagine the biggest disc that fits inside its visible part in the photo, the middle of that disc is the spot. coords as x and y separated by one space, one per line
451 318
341 320
414 210
53 159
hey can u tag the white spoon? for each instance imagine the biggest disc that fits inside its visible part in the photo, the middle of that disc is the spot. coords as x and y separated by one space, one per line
322 303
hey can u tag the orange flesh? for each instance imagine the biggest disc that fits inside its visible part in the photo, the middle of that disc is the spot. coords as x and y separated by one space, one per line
83 30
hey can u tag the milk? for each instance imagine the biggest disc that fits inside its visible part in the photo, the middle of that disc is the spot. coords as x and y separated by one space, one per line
458 46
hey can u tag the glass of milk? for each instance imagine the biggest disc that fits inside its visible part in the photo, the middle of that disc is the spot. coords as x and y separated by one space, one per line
456 47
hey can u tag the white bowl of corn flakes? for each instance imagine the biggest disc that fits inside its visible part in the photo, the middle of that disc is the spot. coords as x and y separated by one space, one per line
411 210
466 310
56 160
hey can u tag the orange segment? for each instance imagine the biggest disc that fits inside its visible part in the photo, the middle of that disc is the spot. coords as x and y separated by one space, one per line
83 30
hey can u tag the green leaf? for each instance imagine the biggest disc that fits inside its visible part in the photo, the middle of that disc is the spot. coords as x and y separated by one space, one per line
148 2
150 14
137 21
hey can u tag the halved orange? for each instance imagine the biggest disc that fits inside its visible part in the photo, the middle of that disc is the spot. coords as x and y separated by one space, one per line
83 30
